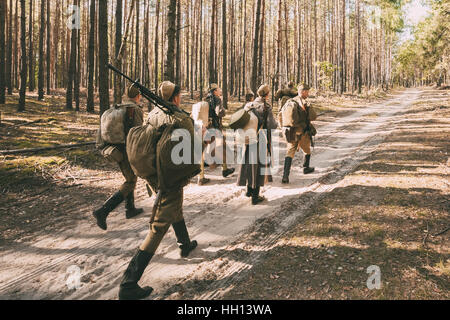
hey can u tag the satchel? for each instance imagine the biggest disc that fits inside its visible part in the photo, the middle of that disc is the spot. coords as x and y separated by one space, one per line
289 134
112 154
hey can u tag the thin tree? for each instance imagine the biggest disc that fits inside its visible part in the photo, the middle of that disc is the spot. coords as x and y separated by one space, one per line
41 52
157 44
48 47
254 77
212 45
23 47
224 58
169 72
91 53
178 51
72 64
31 76
3 10
118 44
103 55
8 76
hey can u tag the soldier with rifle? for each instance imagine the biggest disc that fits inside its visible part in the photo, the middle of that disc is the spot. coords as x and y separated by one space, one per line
168 207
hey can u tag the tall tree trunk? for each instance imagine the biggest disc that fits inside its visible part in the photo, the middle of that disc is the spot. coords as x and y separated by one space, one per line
137 60
23 46
201 47
212 44
77 73
157 43
9 62
254 78
224 50
91 67
169 72
261 43
178 50
3 10
30 51
358 54
118 44
72 66
103 55
41 53
48 48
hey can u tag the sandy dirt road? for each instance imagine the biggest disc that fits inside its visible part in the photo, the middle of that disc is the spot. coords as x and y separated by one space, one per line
232 234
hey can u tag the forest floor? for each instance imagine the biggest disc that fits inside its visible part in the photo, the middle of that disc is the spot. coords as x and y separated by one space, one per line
379 196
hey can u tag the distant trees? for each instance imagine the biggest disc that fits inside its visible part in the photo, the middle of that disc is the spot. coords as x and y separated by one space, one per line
238 44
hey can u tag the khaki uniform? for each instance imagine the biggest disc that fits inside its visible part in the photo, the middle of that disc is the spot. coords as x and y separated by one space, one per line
168 210
136 118
168 207
302 141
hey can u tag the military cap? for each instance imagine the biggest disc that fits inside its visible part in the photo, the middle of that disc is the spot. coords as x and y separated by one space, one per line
166 90
133 92
303 87
263 90
213 86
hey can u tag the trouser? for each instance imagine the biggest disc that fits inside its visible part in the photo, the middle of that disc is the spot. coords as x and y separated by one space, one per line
302 142
130 178
168 210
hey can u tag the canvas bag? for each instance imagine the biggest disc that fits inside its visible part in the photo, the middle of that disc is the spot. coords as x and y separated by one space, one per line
171 175
289 114
113 125
141 152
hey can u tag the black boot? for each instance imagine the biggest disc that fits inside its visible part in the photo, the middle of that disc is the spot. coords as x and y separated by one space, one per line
249 192
129 288
256 198
184 242
109 205
287 169
131 210
226 173
306 168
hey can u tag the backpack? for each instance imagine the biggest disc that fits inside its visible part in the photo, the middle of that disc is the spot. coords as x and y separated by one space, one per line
149 151
141 151
113 124
239 119
171 175
289 114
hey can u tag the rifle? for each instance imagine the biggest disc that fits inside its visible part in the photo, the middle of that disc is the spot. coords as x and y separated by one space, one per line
165 106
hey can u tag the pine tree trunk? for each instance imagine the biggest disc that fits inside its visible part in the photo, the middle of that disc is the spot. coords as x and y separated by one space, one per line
48 47
178 48
41 52
212 44
91 67
224 50
8 76
169 64
31 83
23 69
118 44
103 55
3 10
254 78
157 43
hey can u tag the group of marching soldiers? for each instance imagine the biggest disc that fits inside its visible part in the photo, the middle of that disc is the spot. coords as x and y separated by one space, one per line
295 116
